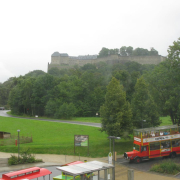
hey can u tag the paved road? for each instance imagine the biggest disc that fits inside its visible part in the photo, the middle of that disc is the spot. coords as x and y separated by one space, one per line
4 113
146 165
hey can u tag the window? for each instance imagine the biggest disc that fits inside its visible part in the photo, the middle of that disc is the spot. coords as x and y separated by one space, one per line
176 143
137 134
136 147
143 148
155 146
165 144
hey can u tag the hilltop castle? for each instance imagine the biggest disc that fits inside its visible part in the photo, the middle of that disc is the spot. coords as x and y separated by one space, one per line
63 60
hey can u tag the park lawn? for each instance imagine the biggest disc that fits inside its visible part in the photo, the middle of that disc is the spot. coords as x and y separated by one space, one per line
58 138
166 121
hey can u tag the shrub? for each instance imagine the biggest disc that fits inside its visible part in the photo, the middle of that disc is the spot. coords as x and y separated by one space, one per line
24 157
169 167
13 160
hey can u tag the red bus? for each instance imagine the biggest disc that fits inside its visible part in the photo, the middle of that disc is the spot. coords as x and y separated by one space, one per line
154 142
27 174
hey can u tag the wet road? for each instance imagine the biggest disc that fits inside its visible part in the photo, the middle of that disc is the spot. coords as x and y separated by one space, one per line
147 164
4 114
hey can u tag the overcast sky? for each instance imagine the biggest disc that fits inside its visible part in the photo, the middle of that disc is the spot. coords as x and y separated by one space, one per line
31 30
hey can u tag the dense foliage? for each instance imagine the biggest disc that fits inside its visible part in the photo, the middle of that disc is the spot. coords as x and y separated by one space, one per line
67 93
122 90
127 51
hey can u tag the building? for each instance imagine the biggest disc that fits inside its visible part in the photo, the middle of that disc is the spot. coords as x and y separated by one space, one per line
64 61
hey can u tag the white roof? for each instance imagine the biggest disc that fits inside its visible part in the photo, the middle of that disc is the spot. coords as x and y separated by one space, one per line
85 168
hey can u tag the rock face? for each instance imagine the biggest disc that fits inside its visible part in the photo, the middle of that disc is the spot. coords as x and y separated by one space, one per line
3 162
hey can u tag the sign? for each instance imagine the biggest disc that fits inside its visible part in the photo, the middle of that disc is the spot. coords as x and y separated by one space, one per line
137 139
160 138
81 140
110 158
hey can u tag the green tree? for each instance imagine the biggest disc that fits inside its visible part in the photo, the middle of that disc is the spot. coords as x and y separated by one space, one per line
129 50
143 106
116 112
153 52
104 52
140 52
164 82
123 51
66 111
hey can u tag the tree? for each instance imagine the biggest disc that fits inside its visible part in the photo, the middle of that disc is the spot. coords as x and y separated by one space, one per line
140 52
143 106
129 50
153 52
104 52
164 82
123 51
116 112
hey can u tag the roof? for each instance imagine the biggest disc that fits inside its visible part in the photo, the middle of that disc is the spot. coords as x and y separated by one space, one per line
5 132
156 128
84 168
26 174
57 54
73 163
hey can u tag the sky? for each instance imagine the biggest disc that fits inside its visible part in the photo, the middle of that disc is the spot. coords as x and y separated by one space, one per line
32 30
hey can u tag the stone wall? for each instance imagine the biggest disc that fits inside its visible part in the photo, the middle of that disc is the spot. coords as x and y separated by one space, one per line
68 62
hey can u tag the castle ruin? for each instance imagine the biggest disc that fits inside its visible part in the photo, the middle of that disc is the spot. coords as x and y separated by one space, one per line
64 61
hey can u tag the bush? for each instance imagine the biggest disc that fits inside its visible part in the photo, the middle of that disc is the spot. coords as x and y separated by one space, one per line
169 167
13 160
66 111
24 157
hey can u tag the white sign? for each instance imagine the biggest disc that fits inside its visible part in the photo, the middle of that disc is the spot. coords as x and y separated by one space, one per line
137 139
110 158
160 138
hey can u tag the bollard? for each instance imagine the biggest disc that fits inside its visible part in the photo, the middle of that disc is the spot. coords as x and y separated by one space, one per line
115 156
130 174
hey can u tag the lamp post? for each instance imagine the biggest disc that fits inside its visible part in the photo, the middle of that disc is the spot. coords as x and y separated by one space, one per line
113 137
142 122
18 143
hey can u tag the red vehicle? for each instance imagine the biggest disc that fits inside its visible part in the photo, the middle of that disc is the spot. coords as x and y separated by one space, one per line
27 174
154 142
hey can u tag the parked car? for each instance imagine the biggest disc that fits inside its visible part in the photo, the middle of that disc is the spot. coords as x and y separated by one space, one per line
2 108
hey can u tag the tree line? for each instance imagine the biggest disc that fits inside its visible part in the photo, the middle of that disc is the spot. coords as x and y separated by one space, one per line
128 51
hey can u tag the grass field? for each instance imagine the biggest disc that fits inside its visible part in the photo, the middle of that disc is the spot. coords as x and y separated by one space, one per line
166 121
58 138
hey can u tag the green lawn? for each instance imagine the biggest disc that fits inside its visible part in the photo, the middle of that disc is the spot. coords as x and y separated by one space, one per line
58 138
166 121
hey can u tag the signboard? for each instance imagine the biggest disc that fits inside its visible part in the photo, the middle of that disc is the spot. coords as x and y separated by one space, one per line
137 139
81 140
110 158
159 138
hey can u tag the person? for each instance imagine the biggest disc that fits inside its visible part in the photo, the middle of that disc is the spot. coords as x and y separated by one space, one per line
153 134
